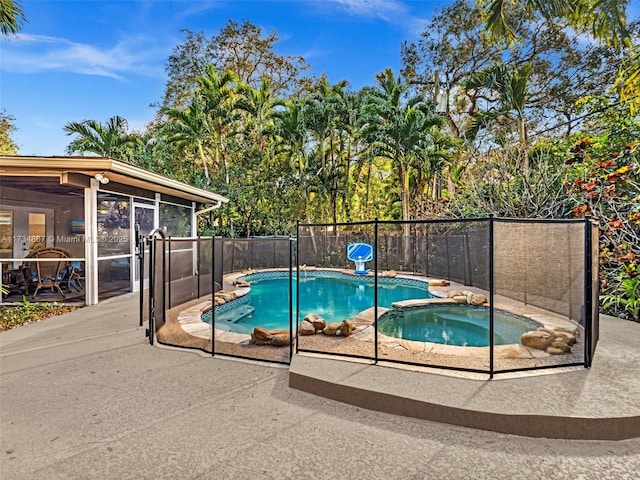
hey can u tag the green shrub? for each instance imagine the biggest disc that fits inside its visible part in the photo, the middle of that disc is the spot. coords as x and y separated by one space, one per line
15 315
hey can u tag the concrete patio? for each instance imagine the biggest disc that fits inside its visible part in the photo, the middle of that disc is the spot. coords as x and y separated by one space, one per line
85 396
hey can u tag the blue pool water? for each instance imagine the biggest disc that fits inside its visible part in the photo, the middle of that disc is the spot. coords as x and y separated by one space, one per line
334 296
462 325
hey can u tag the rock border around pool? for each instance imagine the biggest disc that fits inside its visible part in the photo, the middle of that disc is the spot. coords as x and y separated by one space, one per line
556 334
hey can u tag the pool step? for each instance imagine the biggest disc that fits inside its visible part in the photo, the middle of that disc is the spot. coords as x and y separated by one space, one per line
236 314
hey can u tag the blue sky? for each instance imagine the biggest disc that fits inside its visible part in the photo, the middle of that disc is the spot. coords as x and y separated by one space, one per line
93 59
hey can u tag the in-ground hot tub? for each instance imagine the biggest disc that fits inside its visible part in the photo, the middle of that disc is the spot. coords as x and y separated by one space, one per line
453 324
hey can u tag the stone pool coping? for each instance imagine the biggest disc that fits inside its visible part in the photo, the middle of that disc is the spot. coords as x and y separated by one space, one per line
190 319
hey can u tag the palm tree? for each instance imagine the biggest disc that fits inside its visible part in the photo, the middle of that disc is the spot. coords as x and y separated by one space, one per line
291 135
399 129
11 17
508 90
321 120
219 95
190 129
435 157
260 105
110 140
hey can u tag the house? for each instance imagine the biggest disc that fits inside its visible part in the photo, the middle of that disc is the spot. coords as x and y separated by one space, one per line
90 207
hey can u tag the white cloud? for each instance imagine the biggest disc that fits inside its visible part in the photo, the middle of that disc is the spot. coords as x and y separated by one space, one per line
384 9
39 53
395 12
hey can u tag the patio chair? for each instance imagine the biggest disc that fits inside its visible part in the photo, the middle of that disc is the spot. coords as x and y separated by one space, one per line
48 273
71 277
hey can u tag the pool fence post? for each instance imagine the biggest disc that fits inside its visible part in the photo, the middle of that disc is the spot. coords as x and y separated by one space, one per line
164 280
213 293
290 298
414 237
375 289
169 273
198 257
275 256
588 304
140 257
152 279
152 293
297 281
491 297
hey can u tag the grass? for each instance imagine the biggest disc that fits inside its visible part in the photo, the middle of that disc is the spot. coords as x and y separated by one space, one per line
15 315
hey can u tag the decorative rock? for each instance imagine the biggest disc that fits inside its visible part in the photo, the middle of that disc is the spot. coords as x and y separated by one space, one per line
567 338
537 339
307 328
460 299
575 332
241 284
438 283
227 297
260 333
550 332
391 274
560 345
555 351
318 322
331 329
279 331
280 340
477 299
346 328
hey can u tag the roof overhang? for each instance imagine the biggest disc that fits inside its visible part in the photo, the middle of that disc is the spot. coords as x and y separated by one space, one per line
78 171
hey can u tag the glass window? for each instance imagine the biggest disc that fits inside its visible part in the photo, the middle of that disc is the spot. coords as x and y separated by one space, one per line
6 234
176 219
37 231
113 277
114 224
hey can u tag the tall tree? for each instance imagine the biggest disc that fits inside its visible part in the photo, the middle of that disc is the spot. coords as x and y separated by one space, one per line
204 124
452 47
241 48
220 95
455 46
112 139
506 92
260 106
399 127
605 20
190 129
322 121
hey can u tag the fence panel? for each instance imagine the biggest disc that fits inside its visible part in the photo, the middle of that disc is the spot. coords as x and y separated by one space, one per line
432 329
539 274
254 325
327 298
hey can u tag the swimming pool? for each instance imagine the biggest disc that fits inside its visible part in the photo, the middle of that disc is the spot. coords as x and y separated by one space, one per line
333 295
462 325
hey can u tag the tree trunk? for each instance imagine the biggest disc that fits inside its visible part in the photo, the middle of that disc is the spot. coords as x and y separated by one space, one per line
203 159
